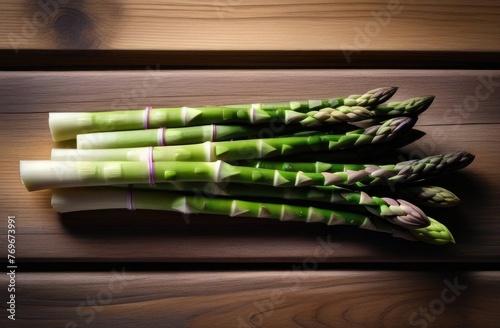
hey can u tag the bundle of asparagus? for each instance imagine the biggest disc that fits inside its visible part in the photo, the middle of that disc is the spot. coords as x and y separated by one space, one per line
241 158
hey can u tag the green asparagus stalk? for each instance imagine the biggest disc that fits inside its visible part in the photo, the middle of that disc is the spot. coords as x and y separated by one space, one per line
42 174
396 211
74 199
372 174
212 132
368 99
51 174
65 126
242 149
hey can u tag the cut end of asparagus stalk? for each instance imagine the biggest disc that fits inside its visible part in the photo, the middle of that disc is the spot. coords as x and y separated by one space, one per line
37 175
63 125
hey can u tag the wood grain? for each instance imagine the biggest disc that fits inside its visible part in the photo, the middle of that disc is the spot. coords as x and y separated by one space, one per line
291 298
40 92
150 36
150 236
252 25
258 33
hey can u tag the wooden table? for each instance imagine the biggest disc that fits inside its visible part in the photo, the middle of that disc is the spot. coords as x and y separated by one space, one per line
126 269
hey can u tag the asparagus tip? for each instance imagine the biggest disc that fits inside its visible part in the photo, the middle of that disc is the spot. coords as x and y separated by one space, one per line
383 94
433 196
436 233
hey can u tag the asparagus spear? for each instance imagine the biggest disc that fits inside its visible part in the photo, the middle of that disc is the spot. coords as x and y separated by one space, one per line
47 174
372 174
64 126
243 149
42 174
53 174
398 212
212 132
370 98
185 135
75 199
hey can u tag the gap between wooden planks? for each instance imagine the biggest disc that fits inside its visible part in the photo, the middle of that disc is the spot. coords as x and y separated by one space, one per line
462 96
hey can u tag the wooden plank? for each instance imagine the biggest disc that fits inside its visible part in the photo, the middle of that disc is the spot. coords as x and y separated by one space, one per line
462 96
293 298
257 25
265 34
149 236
